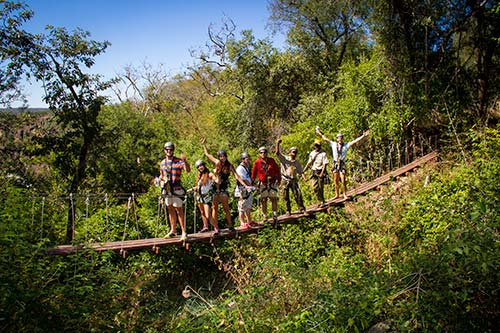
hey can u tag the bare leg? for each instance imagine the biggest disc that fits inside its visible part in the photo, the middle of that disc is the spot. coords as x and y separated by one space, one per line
208 213
172 216
336 176
344 187
180 215
215 207
225 205
204 216
264 207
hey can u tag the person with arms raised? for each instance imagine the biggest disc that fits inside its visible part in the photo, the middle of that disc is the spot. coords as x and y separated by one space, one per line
339 152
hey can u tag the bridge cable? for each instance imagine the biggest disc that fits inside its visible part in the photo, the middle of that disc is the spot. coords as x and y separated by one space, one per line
87 202
126 221
43 211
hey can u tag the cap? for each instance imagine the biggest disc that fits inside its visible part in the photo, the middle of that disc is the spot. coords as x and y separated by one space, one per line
293 150
317 142
169 145
262 149
199 162
340 135
221 152
244 155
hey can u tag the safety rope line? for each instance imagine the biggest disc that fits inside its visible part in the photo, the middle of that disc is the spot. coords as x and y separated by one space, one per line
194 215
87 203
72 215
32 210
43 210
135 216
106 221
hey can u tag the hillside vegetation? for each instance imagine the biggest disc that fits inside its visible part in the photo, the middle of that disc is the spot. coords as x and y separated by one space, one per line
420 254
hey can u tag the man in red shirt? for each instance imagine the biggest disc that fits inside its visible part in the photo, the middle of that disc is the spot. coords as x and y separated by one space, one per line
267 175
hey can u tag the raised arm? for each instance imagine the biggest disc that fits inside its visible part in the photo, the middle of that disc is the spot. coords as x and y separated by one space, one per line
277 148
365 133
187 167
322 135
207 154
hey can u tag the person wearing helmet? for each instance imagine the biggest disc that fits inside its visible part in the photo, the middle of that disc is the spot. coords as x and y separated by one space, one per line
266 173
317 162
173 193
223 169
339 152
291 170
245 197
204 189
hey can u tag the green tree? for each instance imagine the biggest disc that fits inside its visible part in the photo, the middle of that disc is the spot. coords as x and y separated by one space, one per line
57 59
325 32
12 16
441 53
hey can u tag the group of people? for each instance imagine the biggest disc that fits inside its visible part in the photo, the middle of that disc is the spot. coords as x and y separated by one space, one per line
264 175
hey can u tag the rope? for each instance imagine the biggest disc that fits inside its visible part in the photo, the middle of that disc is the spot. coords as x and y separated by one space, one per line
43 210
32 210
194 215
185 212
126 221
87 202
158 217
135 216
72 216
106 221
157 224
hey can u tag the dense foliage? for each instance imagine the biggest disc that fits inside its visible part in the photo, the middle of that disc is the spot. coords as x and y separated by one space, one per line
421 254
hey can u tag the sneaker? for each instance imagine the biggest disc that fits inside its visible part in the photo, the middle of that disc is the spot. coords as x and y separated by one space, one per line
170 234
204 230
216 232
183 236
245 225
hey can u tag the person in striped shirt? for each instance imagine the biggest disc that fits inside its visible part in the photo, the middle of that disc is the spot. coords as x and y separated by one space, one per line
172 191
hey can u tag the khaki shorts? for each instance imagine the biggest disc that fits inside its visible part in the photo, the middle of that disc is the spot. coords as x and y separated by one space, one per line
245 204
172 200
268 191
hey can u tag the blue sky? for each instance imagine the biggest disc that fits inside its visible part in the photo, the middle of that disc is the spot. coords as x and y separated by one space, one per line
154 31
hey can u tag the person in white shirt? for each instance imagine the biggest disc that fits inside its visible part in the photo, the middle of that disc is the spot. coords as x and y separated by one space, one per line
243 191
339 152
317 162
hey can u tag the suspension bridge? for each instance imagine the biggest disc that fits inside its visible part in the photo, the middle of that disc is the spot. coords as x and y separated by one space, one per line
154 244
